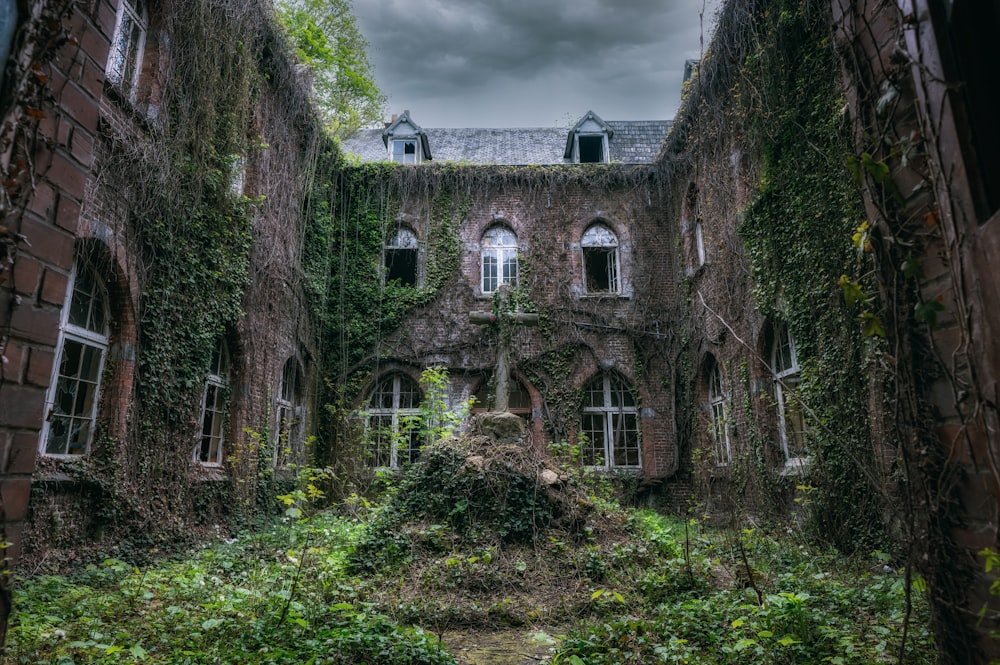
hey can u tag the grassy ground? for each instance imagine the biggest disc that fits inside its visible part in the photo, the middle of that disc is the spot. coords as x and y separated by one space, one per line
400 582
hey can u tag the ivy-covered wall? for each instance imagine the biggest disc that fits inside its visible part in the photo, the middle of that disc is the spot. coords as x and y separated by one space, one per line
192 220
374 328
758 161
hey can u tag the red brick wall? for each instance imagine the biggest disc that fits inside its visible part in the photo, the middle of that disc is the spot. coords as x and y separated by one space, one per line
48 215
606 332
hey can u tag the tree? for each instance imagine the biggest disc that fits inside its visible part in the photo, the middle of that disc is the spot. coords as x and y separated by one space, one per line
326 38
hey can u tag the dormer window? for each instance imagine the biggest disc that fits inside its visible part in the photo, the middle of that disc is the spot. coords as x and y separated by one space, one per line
591 149
588 141
404 151
405 141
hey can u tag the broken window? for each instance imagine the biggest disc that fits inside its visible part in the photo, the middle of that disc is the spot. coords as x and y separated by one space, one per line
591 148
290 445
791 421
610 424
392 436
125 57
214 408
600 260
717 409
404 151
499 257
73 394
401 258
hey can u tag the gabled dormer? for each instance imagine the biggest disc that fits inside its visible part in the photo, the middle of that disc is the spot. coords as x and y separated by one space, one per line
587 142
406 141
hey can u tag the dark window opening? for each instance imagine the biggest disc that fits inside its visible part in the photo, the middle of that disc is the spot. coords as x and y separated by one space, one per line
401 266
591 149
600 269
972 29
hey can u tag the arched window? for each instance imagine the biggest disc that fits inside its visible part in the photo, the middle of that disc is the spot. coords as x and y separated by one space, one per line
610 424
127 45
214 408
290 445
791 422
600 260
401 258
717 409
499 247
83 345
392 434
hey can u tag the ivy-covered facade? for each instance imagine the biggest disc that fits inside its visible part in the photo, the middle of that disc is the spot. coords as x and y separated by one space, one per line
789 312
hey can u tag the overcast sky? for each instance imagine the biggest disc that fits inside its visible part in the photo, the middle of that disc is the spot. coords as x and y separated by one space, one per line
532 63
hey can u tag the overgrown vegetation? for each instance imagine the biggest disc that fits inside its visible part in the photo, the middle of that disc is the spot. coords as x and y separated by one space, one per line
480 553
772 92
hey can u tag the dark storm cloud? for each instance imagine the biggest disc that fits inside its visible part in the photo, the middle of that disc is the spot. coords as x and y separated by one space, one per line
531 62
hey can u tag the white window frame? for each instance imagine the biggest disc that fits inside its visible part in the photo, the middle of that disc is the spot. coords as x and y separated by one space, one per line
399 418
289 444
124 66
717 408
601 238
96 338
604 146
499 248
214 410
613 420
417 151
786 379
699 242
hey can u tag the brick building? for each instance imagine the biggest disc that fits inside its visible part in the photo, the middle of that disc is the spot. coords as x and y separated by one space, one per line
670 335
94 113
578 233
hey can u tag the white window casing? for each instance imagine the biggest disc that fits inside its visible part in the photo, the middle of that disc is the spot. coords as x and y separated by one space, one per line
124 64
610 425
499 258
392 438
72 399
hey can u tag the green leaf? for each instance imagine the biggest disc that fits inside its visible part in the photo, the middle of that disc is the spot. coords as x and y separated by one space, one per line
927 312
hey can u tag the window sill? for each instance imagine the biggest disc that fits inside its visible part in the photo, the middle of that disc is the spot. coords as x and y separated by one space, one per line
604 296
795 466
210 472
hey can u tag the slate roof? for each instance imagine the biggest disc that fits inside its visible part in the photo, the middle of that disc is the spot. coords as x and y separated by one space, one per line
632 142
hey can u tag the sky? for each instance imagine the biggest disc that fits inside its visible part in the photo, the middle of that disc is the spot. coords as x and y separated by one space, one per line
532 63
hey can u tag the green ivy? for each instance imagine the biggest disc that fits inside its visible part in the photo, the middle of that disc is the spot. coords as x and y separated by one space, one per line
797 231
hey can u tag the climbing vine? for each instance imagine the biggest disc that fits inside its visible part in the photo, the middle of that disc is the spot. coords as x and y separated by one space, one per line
774 90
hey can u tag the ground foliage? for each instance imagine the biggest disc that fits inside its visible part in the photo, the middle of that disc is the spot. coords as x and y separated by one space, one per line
632 586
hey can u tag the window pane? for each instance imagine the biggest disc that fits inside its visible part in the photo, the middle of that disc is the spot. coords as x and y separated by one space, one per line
379 441
409 393
626 439
510 267
592 449
489 272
